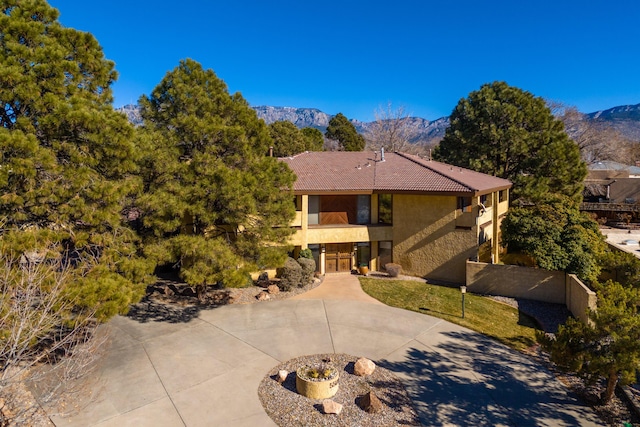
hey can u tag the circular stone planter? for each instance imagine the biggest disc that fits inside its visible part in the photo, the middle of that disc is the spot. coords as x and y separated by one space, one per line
323 387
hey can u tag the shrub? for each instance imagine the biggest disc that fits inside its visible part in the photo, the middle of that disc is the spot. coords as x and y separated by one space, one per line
393 269
290 275
306 253
308 270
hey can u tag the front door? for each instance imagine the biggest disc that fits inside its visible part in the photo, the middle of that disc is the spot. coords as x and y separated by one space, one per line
338 257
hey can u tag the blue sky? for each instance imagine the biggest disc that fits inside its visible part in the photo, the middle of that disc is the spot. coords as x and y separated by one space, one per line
354 56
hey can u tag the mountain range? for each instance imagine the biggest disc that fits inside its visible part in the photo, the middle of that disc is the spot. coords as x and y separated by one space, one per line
625 119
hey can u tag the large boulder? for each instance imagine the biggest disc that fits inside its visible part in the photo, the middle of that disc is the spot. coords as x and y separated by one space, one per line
364 367
370 403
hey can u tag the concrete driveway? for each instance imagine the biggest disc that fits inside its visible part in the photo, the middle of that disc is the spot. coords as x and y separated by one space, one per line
203 368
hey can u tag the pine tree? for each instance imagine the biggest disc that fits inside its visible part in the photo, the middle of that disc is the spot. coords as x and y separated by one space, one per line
287 139
342 130
314 139
215 204
608 346
557 236
67 161
507 132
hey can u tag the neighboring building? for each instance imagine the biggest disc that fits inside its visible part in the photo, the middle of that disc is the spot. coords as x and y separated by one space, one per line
371 208
612 191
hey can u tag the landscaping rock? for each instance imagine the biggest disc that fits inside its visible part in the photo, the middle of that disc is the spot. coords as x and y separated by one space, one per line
364 367
273 289
370 403
263 296
282 375
188 291
263 279
331 407
393 269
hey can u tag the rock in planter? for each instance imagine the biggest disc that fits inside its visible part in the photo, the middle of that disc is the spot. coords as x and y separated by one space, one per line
331 407
263 296
273 289
364 367
370 403
282 375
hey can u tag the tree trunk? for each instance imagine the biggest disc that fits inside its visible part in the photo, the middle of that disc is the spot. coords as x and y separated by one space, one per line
612 380
200 292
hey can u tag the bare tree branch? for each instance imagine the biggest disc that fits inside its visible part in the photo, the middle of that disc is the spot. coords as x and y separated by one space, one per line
46 341
391 130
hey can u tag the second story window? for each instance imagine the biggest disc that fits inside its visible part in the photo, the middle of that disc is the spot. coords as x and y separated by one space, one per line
364 209
385 209
464 204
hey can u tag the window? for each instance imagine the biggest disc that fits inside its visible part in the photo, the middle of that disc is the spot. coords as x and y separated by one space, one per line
464 204
364 209
363 254
315 250
314 210
297 200
503 196
485 199
385 255
385 209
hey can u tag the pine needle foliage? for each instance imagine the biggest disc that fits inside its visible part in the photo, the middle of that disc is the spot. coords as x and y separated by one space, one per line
67 159
215 205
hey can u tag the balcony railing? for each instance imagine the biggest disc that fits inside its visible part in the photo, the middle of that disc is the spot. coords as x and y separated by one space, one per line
611 207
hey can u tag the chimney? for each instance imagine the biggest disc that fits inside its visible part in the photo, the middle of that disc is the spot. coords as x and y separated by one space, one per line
270 151
382 154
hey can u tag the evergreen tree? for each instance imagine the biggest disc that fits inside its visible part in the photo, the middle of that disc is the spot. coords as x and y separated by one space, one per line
606 347
66 158
287 139
507 132
314 139
215 204
556 235
342 130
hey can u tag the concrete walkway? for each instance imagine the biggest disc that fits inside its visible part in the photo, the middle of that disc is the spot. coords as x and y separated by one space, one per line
339 286
203 368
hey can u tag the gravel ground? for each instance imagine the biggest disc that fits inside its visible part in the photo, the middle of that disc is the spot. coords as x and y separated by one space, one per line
287 408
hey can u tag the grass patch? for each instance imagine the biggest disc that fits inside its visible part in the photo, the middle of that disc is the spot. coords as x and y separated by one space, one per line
499 321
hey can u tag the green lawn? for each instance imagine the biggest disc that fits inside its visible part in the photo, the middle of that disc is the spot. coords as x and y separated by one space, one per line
499 321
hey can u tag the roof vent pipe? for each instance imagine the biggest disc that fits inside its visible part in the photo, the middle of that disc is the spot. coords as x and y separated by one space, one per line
382 154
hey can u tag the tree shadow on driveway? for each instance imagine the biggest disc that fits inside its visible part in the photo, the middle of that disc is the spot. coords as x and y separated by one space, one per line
469 379
176 309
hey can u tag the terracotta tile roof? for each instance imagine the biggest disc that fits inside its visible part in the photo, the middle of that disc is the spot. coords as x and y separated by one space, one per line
362 171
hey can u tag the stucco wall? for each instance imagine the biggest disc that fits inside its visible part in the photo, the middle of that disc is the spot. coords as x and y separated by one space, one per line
517 282
426 241
579 298
531 283
345 234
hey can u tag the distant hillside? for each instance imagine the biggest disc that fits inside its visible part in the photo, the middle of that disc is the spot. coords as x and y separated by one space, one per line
625 119
423 129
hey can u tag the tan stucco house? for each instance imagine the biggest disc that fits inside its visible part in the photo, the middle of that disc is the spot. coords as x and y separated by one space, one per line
373 208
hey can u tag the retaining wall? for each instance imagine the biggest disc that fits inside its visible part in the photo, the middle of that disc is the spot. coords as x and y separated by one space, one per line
531 283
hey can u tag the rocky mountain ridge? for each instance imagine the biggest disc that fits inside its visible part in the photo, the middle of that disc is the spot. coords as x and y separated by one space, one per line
625 119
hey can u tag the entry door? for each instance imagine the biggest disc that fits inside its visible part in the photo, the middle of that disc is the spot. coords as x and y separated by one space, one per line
338 257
